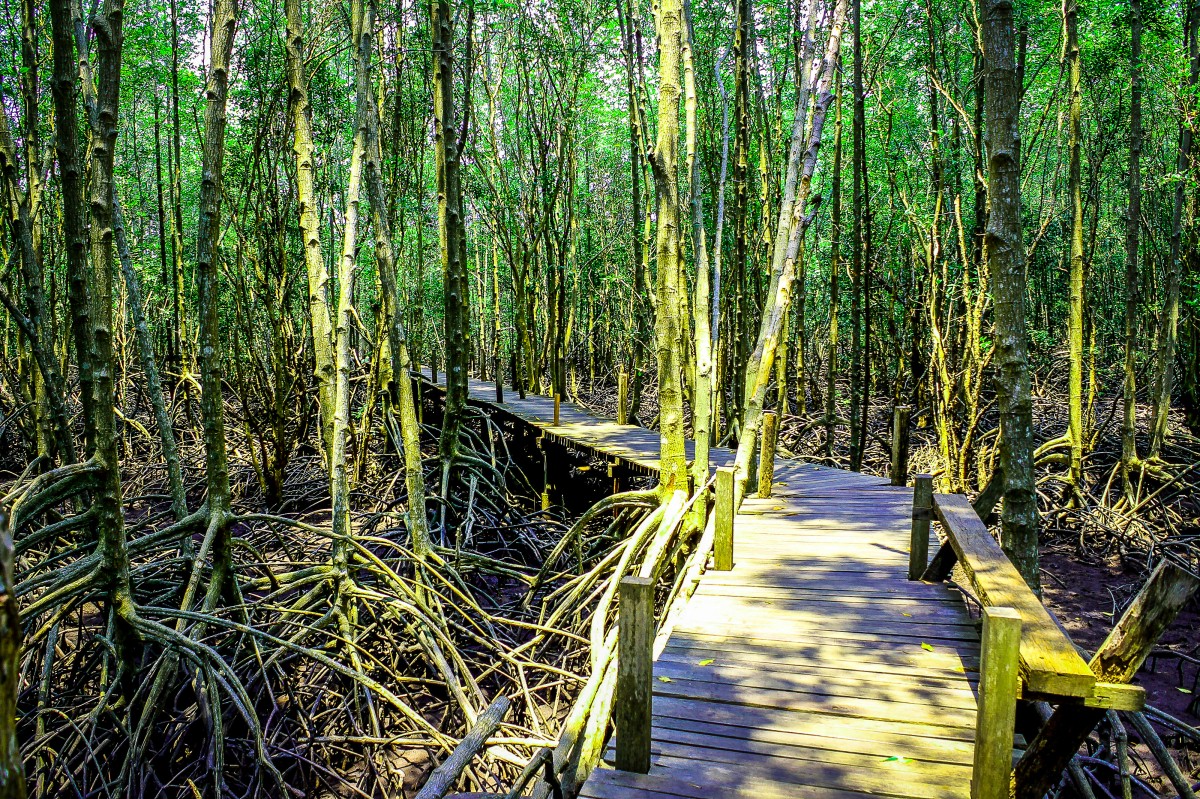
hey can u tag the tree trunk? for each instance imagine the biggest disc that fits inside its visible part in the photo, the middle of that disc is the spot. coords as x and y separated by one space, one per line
1005 253
400 394
310 224
208 272
702 395
1129 455
772 323
1168 322
1074 188
456 284
669 320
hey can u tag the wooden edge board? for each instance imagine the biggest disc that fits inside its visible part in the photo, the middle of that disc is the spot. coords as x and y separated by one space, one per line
1107 696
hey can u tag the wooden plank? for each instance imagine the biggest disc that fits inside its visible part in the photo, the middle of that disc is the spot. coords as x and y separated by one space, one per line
1050 663
833 706
856 656
850 684
785 721
781 782
816 734
879 776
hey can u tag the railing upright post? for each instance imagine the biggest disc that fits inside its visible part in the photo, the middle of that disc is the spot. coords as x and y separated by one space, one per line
723 513
622 397
557 400
635 669
766 460
541 443
499 378
922 513
991 774
900 416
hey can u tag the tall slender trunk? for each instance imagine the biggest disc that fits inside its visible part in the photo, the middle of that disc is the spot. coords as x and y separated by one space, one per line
1070 10
400 393
208 237
1005 254
310 224
670 284
1129 454
178 288
835 269
1168 323
860 362
772 323
110 521
456 284
702 396
70 171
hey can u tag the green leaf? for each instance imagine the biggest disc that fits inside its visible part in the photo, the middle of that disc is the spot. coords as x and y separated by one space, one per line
897 759
664 679
926 646
1183 690
705 662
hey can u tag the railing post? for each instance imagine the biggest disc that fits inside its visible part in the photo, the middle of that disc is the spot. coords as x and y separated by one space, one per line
723 521
541 442
991 774
900 444
622 397
766 460
557 399
635 669
499 378
922 512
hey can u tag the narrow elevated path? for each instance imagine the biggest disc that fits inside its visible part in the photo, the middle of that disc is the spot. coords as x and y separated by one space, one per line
814 668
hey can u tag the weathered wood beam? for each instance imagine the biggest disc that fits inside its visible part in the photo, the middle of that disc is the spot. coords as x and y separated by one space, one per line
766 460
444 776
900 415
922 513
723 513
1116 661
1050 663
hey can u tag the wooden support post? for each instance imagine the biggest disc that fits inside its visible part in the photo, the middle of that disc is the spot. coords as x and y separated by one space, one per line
900 416
557 400
541 444
622 397
766 460
922 512
635 670
992 770
723 513
499 379
1116 661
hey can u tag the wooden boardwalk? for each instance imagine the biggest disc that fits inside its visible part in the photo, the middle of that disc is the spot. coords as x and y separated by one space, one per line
814 668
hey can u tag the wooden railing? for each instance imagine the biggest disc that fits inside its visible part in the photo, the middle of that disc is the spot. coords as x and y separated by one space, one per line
1025 651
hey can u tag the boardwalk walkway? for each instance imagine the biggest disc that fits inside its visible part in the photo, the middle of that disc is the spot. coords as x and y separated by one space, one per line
814 668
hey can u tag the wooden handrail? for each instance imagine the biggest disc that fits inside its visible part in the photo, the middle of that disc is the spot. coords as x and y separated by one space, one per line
1050 664
1051 667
